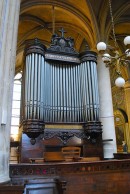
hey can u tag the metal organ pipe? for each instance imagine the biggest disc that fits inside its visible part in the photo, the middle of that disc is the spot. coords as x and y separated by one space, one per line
90 93
39 87
95 91
79 93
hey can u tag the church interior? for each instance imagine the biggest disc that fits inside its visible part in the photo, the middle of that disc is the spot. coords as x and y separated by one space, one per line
65 106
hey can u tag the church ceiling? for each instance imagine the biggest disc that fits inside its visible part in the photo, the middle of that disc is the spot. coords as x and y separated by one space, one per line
87 21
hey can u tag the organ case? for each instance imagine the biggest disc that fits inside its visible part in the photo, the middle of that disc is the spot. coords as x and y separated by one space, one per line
60 91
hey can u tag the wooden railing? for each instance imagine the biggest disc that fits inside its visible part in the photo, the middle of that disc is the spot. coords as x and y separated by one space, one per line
99 177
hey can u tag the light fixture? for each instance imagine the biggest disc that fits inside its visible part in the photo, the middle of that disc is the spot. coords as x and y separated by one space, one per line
119 82
117 59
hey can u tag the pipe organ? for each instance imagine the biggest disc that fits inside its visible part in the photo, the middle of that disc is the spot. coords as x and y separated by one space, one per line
60 86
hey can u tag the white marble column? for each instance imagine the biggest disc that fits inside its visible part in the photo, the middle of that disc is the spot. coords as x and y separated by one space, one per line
9 19
106 109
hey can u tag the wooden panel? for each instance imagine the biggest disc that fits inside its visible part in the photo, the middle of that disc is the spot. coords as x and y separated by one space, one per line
93 149
46 186
98 177
71 152
53 156
9 189
121 156
104 183
28 150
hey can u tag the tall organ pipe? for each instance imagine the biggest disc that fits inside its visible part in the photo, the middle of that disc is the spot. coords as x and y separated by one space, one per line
32 118
90 86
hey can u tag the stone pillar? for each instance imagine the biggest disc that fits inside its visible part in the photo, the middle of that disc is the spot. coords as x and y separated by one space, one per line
106 110
127 103
9 19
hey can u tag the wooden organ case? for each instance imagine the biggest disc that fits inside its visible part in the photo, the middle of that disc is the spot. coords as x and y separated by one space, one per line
60 98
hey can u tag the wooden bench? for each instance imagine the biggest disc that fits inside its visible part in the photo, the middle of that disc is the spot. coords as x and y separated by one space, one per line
49 157
71 152
36 160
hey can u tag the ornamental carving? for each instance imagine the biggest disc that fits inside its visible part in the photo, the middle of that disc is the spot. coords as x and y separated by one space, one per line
62 44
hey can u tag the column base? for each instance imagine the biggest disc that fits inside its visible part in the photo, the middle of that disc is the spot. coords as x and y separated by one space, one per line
108 153
4 179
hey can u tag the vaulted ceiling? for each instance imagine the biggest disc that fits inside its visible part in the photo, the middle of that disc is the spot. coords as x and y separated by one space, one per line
87 21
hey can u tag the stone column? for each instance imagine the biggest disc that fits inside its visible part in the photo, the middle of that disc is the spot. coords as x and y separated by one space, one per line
9 19
127 103
106 110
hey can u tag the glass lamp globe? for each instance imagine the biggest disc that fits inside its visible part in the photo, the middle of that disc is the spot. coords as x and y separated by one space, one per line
106 58
127 40
101 46
119 82
18 76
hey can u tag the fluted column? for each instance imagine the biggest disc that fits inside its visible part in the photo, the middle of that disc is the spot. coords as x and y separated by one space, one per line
9 13
106 109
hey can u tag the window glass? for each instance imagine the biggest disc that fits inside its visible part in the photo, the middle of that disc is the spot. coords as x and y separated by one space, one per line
16 107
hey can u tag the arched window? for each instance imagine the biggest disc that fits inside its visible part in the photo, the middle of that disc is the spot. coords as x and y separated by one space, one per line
16 107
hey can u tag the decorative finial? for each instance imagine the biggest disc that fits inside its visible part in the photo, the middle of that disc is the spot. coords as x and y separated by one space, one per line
86 47
62 32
